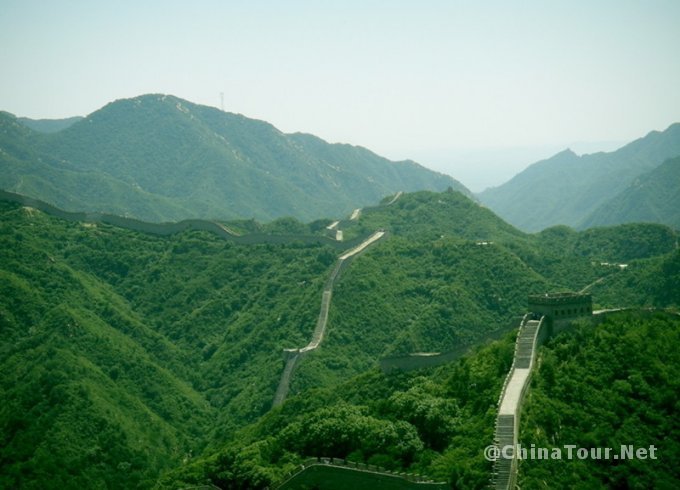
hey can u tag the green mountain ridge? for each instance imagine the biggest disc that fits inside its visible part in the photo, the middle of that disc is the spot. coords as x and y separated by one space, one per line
160 158
653 197
139 360
567 188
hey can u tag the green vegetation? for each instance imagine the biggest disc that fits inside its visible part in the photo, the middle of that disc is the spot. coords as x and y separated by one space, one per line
160 158
434 422
605 386
652 197
163 342
135 360
646 282
566 189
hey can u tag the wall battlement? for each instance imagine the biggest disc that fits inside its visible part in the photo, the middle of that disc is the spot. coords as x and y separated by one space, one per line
550 313
560 306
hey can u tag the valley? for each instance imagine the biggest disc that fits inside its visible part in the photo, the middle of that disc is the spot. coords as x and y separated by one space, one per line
339 245
167 348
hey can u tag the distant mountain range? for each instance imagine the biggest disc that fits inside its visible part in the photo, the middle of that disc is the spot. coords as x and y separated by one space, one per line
582 191
652 197
161 158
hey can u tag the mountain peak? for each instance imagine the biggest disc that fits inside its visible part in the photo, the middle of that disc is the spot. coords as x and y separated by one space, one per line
571 187
161 158
565 155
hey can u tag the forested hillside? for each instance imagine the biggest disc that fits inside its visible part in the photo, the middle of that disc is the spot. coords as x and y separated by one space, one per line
160 158
596 386
129 354
653 197
606 386
567 188
137 348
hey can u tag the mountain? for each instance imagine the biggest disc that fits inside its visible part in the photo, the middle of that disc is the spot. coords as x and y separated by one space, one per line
652 197
567 188
138 359
48 125
160 158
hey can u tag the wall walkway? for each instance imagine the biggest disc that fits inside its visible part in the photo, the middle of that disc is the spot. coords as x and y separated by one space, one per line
176 227
531 334
294 356
416 481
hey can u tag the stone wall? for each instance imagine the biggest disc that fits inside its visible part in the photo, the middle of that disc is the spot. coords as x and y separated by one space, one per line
293 357
176 227
510 400
409 362
557 306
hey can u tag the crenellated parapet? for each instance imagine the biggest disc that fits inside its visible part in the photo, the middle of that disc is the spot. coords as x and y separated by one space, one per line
558 306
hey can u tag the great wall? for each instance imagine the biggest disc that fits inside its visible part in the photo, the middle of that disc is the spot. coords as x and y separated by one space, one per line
363 471
163 229
549 315
350 249
294 356
509 403
422 360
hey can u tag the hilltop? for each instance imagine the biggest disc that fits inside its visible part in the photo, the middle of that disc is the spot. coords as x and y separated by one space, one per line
161 158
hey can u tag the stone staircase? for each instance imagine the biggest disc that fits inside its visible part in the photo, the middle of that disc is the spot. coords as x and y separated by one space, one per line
524 350
503 470
504 473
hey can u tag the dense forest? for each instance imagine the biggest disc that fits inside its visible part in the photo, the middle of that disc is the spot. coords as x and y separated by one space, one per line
135 360
594 387
604 386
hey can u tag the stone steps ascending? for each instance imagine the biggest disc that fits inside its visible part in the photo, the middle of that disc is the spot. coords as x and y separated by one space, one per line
504 469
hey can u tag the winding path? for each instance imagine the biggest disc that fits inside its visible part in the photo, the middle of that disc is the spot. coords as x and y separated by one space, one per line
597 281
396 196
164 229
294 356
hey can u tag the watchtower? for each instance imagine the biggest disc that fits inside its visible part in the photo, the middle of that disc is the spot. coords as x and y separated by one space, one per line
561 308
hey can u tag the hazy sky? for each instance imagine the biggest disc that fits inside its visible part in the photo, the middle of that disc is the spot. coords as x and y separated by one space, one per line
478 88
